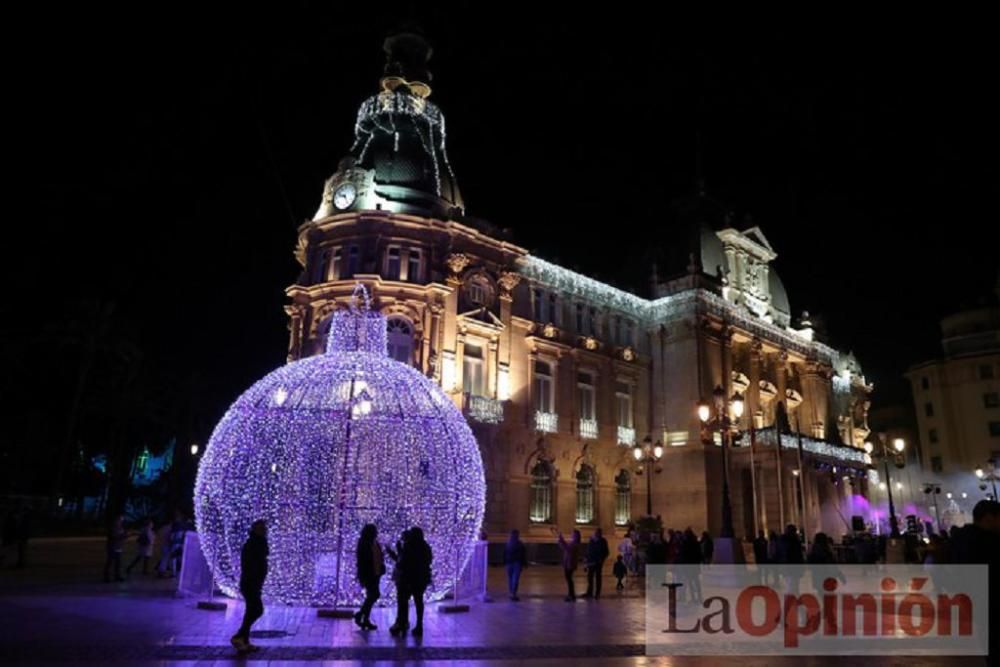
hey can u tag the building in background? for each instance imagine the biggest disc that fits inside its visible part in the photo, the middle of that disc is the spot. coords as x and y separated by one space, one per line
957 396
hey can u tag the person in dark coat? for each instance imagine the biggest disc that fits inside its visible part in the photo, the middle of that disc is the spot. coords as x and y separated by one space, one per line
370 568
597 553
978 543
414 576
515 557
253 572
707 548
620 572
791 546
570 559
760 549
115 545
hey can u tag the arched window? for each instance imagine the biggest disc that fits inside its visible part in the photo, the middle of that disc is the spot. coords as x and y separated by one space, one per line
623 498
400 339
541 493
585 495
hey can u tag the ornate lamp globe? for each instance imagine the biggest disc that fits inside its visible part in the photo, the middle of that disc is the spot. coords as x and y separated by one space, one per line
324 445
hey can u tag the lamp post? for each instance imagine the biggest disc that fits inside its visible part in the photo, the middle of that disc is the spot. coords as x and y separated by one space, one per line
988 473
935 490
647 455
720 421
898 445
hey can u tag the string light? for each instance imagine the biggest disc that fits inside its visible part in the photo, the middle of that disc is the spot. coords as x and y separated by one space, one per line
326 444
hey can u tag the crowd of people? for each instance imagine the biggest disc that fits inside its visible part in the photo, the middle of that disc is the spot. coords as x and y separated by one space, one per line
411 555
170 538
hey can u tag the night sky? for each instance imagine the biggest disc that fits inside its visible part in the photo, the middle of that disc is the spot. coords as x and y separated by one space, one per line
164 163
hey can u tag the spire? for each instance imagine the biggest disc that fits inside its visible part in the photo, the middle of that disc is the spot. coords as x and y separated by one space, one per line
406 55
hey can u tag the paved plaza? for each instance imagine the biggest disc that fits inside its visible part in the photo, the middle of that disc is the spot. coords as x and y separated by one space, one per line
57 611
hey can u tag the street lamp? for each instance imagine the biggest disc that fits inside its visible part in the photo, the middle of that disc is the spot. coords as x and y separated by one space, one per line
883 452
988 474
194 450
935 490
728 430
647 455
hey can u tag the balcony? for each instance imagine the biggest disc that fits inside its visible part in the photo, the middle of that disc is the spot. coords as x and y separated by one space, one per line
626 436
588 429
546 422
483 409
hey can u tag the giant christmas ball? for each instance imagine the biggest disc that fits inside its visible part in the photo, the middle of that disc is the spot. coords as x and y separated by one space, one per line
324 445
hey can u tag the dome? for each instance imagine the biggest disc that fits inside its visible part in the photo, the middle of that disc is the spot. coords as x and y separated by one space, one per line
326 444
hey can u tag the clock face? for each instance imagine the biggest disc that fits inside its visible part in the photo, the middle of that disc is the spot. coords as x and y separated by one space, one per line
344 196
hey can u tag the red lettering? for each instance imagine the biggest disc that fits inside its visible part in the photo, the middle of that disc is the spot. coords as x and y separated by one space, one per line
744 610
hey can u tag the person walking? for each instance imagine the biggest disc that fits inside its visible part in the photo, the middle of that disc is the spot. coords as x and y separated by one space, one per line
570 560
144 547
620 572
597 553
370 568
707 548
253 572
115 544
515 557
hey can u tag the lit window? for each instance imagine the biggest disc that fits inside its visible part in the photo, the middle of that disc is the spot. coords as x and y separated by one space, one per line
413 273
623 394
585 495
392 264
400 339
472 370
337 265
543 388
541 493
587 396
623 498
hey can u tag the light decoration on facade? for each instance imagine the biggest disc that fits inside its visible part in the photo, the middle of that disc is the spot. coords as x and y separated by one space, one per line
829 450
323 445
649 312
379 113
626 436
588 428
546 422
484 410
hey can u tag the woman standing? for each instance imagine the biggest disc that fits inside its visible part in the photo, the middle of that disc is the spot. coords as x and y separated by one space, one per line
414 571
515 557
570 559
370 567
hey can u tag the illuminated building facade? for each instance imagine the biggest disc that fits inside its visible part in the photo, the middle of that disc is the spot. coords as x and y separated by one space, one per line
559 374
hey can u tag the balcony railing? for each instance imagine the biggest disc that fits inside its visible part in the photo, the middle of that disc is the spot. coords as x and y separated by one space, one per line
483 409
546 422
626 436
588 428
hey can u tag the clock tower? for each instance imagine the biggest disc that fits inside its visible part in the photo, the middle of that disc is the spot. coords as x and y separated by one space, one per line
398 161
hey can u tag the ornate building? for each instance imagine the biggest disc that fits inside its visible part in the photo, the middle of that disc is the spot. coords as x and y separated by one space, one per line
561 375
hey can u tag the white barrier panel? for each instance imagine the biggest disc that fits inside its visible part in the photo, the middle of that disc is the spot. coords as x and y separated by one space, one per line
195 578
472 584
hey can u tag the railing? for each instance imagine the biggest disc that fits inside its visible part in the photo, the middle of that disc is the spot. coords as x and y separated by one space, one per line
546 422
626 436
588 428
483 409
